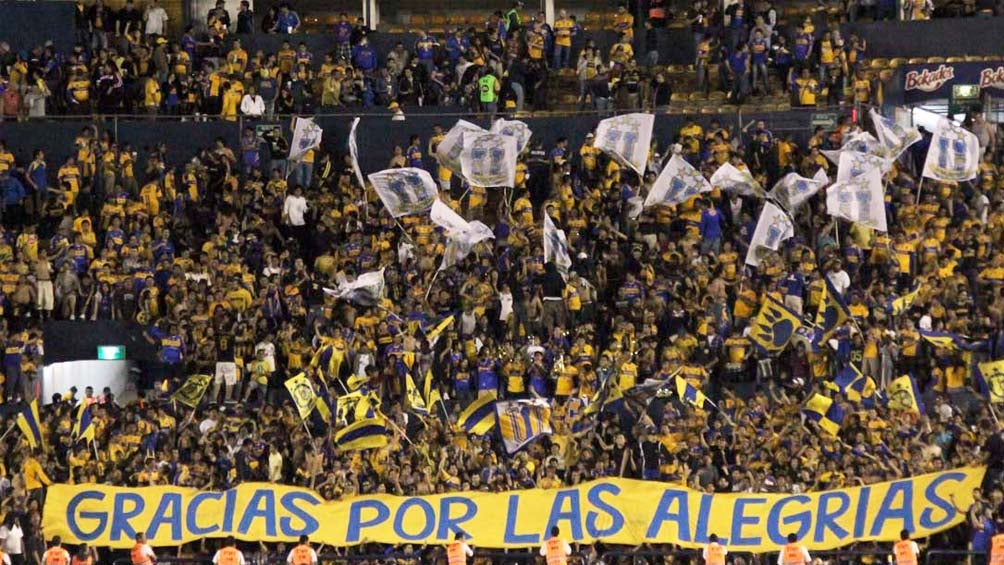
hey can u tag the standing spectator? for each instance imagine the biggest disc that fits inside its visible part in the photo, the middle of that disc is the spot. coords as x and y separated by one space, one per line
245 19
739 71
127 22
294 215
343 37
517 80
488 88
651 45
99 23
364 57
288 21
156 19
252 105
758 60
564 27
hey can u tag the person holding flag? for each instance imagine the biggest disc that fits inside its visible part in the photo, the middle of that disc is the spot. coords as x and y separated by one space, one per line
458 551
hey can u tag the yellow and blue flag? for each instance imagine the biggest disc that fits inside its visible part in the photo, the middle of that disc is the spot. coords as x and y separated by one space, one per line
190 394
370 433
522 421
944 340
608 398
432 394
413 399
479 417
899 305
903 394
833 311
323 403
356 406
302 393
989 379
774 326
855 386
31 425
826 413
356 382
692 395
83 428
433 335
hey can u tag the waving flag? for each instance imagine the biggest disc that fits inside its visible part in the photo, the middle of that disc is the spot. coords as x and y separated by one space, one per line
626 139
306 136
302 393
515 129
731 179
860 199
989 378
479 417
413 398
556 247
354 154
363 434
903 394
460 246
773 227
31 425
677 182
833 312
954 155
433 397
522 421
323 404
855 386
367 290
447 218
854 163
190 394
893 137
692 395
857 142
826 413
903 303
356 406
489 159
793 190
405 191
449 149
944 340
83 428
774 326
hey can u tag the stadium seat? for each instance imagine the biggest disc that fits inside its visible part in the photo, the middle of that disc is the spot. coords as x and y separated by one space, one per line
916 60
678 97
717 95
897 62
879 63
935 59
417 20
437 20
697 97
955 59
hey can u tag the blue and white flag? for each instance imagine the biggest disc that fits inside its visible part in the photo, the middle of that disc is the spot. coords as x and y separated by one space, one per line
489 159
449 149
626 139
677 182
859 142
893 137
306 136
445 217
773 227
794 190
405 191
731 179
522 421
954 155
556 247
354 154
853 163
860 199
366 290
515 129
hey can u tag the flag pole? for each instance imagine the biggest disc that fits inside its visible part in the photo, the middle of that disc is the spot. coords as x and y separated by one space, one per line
428 291
920 186
9 430
404 231
397 429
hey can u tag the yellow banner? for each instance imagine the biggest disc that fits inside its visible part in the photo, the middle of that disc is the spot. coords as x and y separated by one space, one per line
620 511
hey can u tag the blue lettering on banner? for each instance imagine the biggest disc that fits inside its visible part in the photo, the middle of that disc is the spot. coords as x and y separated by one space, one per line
71 516
356 522
861 516
703 519
510 525
288 502
121 528
889 511
739 519
663 514
429 523
450 525
229 510
168 512
573 515
615 515
826 519
932 496
261 505
774 519
192 515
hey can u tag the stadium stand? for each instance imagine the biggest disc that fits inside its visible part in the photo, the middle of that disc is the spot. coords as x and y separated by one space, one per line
776 319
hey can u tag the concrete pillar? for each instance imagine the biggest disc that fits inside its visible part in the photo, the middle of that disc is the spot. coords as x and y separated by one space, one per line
549 12
371 13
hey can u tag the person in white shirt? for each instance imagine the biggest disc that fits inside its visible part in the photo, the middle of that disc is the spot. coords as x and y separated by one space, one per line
274 465
294 208
155 17
229 554
12 537
839 278
252 105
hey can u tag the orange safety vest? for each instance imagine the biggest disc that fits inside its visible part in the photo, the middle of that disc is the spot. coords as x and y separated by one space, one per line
301 555
55 556
793 555
555 550
455 554
997 550
903 552
716 554
136 555
228 556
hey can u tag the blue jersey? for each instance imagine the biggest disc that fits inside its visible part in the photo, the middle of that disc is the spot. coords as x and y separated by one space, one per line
172 349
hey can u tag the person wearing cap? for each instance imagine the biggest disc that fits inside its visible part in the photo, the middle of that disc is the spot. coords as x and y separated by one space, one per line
397 114
714 553
793 553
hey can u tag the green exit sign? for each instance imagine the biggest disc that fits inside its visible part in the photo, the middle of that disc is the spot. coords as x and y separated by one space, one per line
111 352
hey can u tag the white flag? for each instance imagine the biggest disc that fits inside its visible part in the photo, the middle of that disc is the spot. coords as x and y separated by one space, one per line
489 159
794 190
556 247
449 149
354 154
860 199
515 129
405 191
367 289
731 179
860 142
446 218
626 139
677 182
954 154
461 243
306 136
773 227
894 137
853 163
821 176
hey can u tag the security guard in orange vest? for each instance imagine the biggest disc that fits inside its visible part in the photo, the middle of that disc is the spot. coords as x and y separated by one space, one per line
458 551
555 550
714 553
793 553
906 551
56 555
302 554
997 545
141 553
228 554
